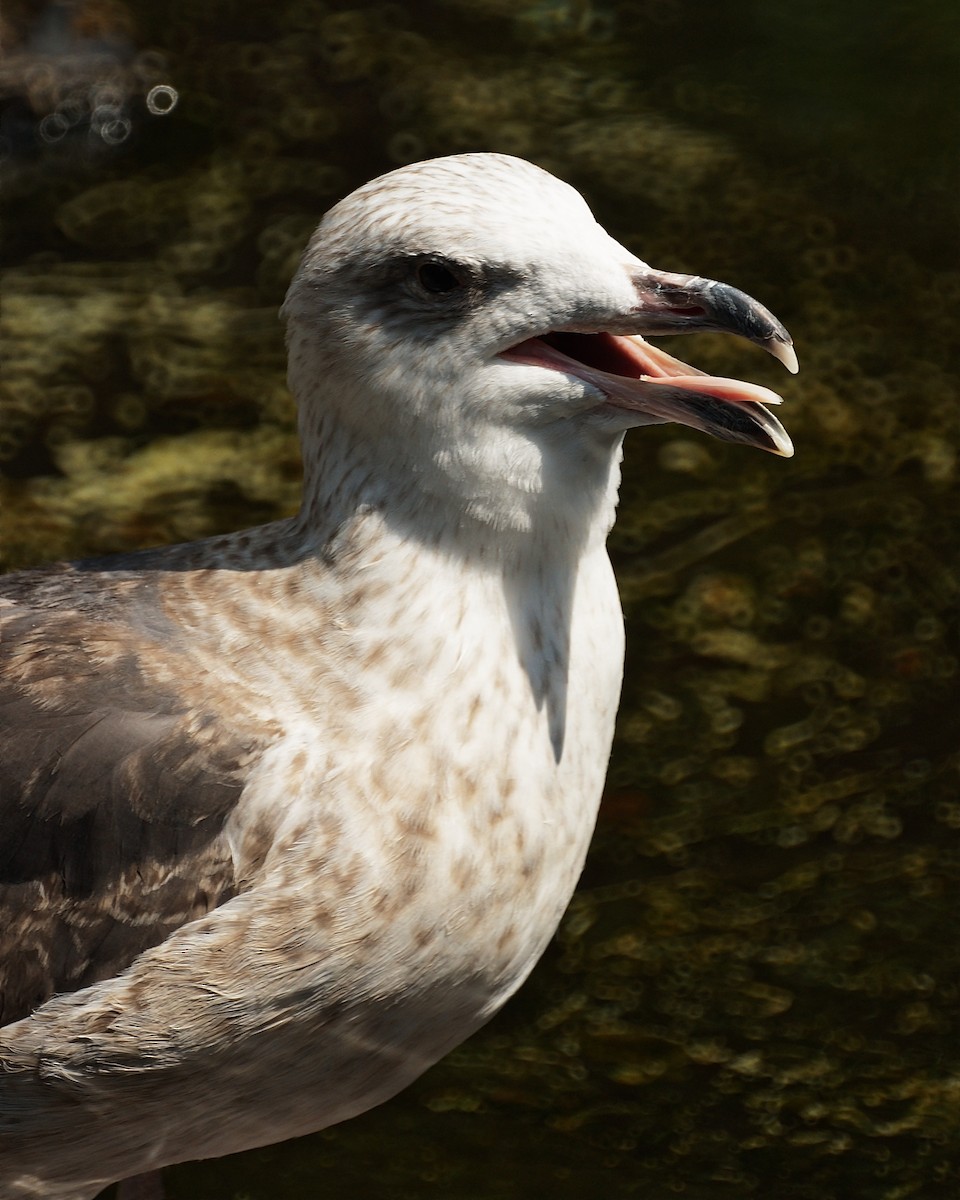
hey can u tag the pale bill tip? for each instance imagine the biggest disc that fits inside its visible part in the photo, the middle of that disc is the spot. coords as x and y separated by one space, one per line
782 444
787 355
786 449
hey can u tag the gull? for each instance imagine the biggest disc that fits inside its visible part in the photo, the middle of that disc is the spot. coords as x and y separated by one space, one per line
289 813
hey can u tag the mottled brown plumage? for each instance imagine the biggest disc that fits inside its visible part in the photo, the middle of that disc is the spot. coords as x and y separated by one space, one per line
287 814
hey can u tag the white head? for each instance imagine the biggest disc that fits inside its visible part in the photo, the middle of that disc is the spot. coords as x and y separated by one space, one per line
435 330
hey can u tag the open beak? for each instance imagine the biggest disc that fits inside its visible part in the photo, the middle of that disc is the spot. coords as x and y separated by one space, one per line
641 379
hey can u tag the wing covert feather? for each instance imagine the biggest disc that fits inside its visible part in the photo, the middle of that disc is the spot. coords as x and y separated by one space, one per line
113 790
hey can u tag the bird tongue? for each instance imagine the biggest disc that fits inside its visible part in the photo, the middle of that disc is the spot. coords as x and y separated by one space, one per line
656 366
641 378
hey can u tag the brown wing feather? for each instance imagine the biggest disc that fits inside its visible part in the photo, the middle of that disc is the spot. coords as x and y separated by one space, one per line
113 793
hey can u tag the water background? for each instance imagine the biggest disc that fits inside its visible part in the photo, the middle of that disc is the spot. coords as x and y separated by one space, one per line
756 991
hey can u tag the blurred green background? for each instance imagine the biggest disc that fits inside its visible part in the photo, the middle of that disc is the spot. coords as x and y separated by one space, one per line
756 991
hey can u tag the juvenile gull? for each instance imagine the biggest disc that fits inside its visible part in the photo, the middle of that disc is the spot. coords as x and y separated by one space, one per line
289 813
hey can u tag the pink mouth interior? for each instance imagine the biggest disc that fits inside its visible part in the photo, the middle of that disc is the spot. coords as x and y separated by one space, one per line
630 357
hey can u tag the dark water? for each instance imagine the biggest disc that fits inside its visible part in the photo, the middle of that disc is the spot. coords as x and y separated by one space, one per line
756 991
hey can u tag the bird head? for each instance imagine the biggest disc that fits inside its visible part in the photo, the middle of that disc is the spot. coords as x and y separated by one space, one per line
470 318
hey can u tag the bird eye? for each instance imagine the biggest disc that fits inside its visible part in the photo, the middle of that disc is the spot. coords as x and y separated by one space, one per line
435 278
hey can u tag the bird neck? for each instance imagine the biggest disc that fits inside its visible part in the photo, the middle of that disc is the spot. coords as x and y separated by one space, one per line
542 497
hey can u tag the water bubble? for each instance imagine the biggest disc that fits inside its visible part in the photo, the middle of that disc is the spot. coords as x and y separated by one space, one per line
53 127
116 130
162 99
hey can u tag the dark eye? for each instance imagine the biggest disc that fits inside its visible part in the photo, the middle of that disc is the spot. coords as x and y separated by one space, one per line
436 278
